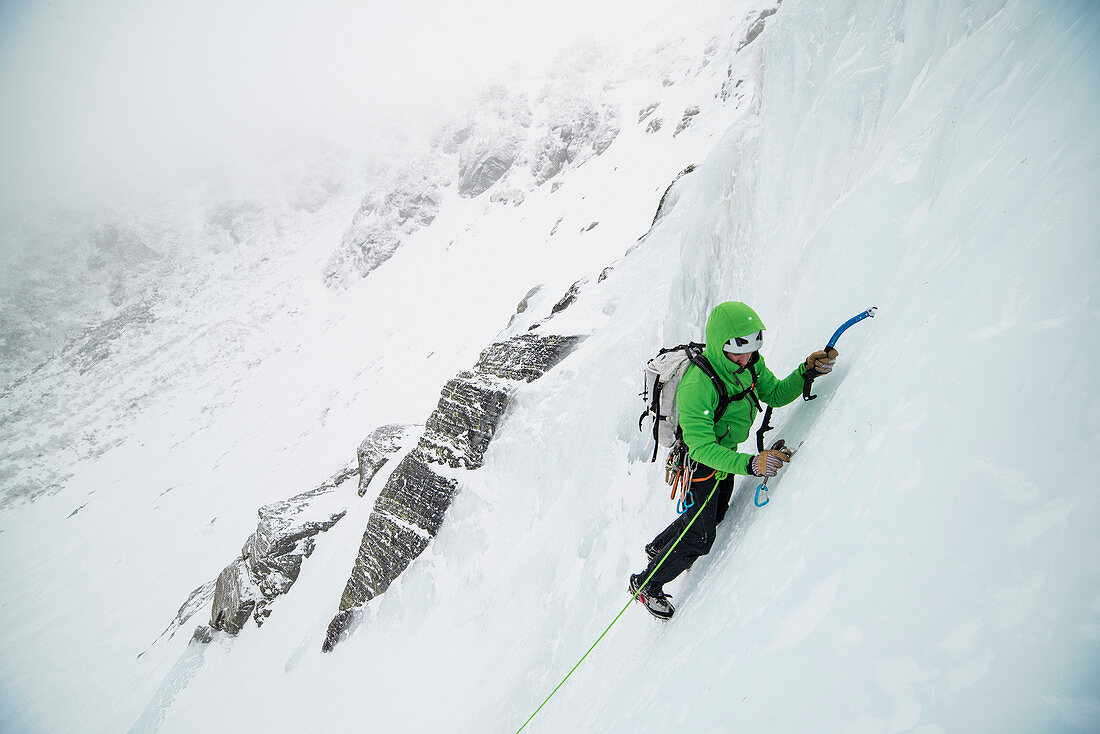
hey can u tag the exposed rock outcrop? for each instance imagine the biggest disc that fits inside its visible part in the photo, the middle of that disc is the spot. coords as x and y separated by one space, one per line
489 142
731 85
513 196
196 600
758 25
687 119
271 558
569 297
410 508
665 197
121 243
407 202
377 448
231 223
574 291
120 252
524 304
482 166
285 535
577 130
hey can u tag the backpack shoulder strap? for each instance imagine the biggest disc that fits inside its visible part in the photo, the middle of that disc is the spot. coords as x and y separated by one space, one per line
695 354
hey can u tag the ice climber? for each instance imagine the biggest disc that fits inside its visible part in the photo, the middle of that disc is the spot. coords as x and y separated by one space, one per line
734 337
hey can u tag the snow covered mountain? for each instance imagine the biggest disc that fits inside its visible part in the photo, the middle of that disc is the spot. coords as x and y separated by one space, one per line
927 562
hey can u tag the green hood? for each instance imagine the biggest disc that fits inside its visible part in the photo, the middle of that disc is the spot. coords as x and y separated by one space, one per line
726 321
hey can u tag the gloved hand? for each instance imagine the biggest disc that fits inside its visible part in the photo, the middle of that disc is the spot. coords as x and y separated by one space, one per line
821 361
768 462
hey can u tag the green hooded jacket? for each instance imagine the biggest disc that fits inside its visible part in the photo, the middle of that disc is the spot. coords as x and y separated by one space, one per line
711 442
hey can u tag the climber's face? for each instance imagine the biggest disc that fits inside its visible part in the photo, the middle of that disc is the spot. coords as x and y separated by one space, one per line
739 359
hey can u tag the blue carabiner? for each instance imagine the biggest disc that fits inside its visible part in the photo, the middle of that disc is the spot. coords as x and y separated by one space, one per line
756 500
682 507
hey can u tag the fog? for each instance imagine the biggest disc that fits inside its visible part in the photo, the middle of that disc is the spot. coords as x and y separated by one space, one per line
132 132
129 94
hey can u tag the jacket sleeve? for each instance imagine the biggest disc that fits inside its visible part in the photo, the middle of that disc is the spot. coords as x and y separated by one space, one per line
696 401
776 392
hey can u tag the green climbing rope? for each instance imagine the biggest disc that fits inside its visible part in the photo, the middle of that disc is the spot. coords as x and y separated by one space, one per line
621 611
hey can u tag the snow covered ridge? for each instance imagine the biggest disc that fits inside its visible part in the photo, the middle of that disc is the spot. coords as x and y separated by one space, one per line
507 146
501 147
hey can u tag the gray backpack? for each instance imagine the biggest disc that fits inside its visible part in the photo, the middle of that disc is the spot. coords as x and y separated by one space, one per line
662 376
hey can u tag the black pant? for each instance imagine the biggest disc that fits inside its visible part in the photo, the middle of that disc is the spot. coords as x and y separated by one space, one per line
700 537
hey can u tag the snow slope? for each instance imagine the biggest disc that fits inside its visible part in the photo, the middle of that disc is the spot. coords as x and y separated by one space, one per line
927 562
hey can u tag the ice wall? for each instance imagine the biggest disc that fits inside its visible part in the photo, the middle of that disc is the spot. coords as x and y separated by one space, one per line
925 564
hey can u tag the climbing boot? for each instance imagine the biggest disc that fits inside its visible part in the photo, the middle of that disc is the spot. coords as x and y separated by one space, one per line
655 600
652 551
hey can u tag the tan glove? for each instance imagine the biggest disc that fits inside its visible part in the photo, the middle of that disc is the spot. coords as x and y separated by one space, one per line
768 462
821 361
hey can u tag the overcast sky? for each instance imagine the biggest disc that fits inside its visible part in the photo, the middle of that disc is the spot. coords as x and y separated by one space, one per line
116 90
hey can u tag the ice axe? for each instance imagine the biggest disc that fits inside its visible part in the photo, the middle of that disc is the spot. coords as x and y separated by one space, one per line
812 374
